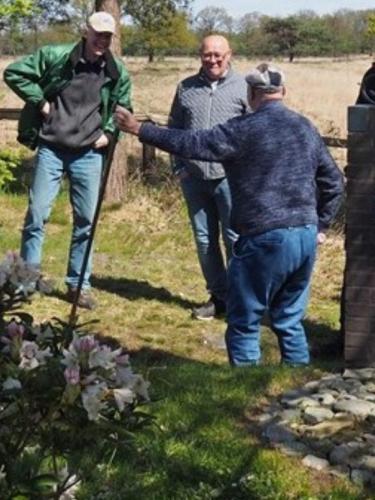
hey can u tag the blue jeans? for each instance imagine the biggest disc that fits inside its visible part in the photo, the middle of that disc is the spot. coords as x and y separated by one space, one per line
270 271
84 171
209 206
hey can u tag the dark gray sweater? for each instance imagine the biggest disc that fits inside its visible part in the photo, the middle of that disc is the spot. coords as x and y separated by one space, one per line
279 170
74 121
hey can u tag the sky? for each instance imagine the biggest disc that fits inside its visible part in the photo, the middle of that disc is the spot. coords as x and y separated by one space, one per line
237 8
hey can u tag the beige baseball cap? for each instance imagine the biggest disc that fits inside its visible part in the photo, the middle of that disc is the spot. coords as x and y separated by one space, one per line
102 22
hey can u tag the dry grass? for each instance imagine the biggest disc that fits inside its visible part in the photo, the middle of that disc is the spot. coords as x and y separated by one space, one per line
320 88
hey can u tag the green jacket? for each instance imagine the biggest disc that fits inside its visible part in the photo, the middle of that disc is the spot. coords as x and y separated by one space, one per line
39 76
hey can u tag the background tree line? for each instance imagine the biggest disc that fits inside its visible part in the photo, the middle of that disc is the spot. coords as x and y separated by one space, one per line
167 27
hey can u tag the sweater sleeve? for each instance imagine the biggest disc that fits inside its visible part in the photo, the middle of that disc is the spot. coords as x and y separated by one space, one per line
220 143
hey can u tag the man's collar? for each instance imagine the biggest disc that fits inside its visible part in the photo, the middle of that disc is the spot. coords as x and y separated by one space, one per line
227 74
271 102
110 67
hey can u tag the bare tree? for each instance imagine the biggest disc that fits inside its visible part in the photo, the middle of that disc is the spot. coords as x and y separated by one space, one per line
213 19
116 187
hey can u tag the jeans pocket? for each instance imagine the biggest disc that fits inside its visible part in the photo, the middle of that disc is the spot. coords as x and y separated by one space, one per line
246 246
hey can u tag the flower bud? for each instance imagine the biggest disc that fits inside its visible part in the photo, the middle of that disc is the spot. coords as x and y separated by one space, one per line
72 375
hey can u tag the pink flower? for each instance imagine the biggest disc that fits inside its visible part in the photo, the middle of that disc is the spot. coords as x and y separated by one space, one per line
15 330
72 375
85 344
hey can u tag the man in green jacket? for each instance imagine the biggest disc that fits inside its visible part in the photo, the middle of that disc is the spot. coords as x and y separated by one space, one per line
70 92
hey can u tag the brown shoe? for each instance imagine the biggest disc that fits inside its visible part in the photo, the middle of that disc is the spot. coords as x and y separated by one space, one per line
85 300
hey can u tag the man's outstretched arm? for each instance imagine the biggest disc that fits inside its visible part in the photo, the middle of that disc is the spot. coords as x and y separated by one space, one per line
217 144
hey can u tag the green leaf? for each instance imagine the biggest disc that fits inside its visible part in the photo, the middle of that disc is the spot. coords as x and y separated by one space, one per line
44 483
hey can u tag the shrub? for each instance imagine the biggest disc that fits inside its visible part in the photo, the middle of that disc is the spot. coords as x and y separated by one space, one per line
10 161
67 400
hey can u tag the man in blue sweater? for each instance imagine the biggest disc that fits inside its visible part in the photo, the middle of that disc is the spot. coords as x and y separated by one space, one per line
286 189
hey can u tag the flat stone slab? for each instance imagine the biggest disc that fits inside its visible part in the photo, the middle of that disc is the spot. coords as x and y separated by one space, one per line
301 402
314 415
365 462
357 407
361 477
328 428
277 433
315 462
294 449
343 453
290 415
360 373
324 398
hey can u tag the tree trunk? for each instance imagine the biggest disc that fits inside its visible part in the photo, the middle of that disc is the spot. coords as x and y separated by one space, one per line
117 181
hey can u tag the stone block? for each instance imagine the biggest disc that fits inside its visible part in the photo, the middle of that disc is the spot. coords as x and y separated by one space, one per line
357 295
360 141
358 155
360 279
361 172
360 234
359 349
361 118
360 264
353 217
361 202
359 310
355 187
353 250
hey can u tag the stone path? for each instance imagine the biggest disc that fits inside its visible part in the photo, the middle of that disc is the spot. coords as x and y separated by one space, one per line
329 423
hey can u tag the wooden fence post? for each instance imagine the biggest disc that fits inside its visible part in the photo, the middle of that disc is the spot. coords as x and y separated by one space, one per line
149 169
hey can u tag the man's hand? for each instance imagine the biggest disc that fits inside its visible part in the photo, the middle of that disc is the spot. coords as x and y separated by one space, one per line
321 238
101 142
46 109
126 121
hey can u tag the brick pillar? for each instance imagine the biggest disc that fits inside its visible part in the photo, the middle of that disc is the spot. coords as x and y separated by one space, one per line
358 306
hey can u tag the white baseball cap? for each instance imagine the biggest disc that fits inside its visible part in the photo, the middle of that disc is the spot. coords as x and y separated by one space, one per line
102 22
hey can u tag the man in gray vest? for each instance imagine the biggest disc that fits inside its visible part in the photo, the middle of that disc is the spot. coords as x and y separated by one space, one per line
212 96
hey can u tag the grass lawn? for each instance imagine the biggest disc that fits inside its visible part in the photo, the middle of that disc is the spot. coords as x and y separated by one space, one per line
146 279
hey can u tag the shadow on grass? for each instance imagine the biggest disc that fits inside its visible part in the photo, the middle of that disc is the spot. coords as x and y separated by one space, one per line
133 289
200 442
203 444
326 344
